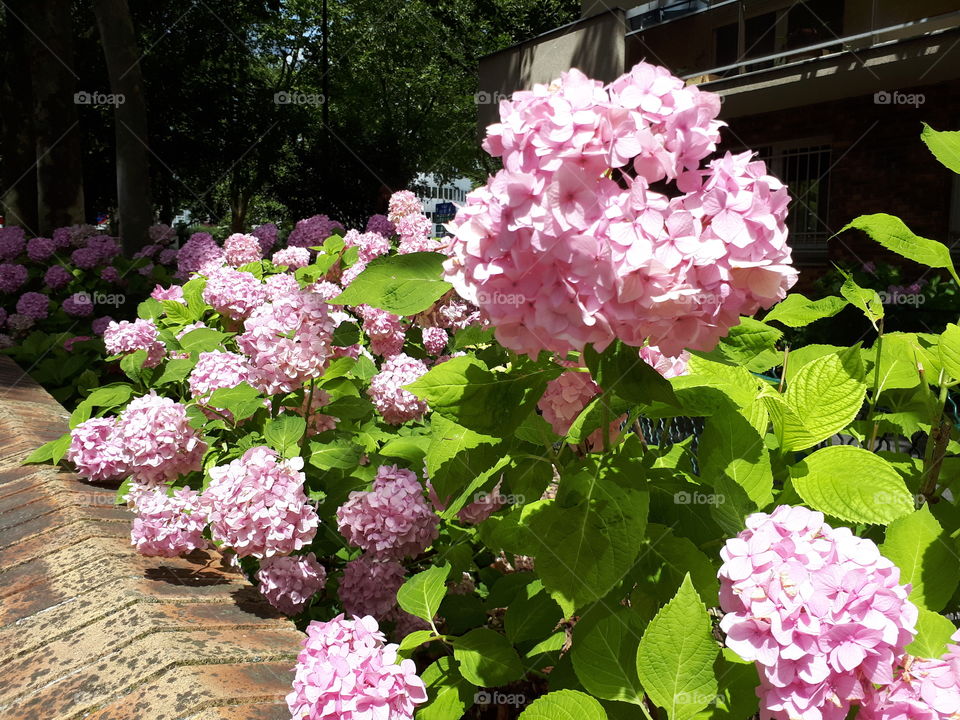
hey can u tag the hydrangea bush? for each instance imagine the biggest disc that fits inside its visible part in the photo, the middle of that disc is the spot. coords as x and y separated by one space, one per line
458 463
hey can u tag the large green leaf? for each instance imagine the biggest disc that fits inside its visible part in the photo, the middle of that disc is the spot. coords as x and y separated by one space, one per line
798 311
944 145
926 556
852 484
531 615
894 235
456 455
949 349
203 340
730 446
450 694
564 705
339 453
823 399
933 634
676 655
752 344
604 657
620 370
422 594
283 434
488 401
487 658
868 301
400 284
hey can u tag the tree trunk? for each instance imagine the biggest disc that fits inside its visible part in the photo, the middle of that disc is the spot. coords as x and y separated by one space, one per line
58 139
130 116
18 171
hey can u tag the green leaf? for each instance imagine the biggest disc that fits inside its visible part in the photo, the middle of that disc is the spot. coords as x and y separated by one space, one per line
203 340
532 615
899 354
731 447
415 639
752 344
674 557
603 407
852 484
412 448
242 400
132 364
422 594
52 451
604 657
621 371
450 695
949 349
150 309
824 397
345 334
487 658
564 705
193 294
798 311
868 301
944 145
926 556
400 284
176 370
283 434
933 634
491 402
676 655
893 234
110 396
339 453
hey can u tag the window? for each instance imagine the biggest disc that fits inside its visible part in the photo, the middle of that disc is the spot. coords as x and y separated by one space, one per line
805 168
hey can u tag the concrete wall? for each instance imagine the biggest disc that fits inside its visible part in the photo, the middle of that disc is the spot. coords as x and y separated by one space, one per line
595 45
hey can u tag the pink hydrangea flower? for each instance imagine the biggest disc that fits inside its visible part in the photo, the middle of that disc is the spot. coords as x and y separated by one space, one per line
385 330
174 292
346 672
40 249
280 285
386 390
200 254
95 451
159 445
311 232
435 340
19 322
12 277
369 245
289 581
168 256
557 255
923 690
267 234
288 342
86 258
167 525
664 364
403 203
391 520
57 277
240 249
125 337
818 609
256 504
216 370
34 305
317 421
325 289
162 234
381 225
369 586
293 257
234 293
415 231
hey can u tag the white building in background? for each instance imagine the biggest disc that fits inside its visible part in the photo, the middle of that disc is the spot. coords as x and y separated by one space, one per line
440 201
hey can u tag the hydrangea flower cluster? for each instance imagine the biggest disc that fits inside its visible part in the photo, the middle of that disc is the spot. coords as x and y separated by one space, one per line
311 232
369 245
167 525
282 284
267 234
57 277
393 520
12 277
558 255
40 249
78 305
564 399
819 611
256 504
395 404
435 340
369 585
403 203
34 305
200 254
664 364
381 225
234 293
157 441
289 581
385 330
240 249
174 292
292 257
94 451
415 235
347 672
216 370
12 242
125 337
287 341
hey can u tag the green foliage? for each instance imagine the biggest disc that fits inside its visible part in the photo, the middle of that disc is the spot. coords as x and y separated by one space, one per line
401 284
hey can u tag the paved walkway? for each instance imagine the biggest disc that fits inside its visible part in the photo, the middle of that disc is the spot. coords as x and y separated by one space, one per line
90 629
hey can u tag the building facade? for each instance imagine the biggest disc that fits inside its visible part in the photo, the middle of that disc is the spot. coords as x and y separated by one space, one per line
831 93
440 199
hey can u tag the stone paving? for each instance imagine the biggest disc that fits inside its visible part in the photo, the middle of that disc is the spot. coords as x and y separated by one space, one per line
90 629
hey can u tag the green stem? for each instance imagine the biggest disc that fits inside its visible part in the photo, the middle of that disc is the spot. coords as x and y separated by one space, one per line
876 384
936 446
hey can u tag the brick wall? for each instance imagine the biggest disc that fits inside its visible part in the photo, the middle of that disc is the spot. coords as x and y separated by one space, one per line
89 629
